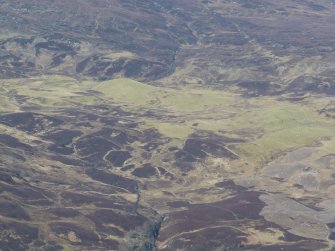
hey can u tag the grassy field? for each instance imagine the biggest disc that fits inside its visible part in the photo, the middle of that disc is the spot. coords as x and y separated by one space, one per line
268 125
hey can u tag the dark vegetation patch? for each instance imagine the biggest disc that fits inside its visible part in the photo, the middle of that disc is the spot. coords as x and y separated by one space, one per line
145 69
173 149
184 161
329 110
165 173
81 116
115 67
105 229
145 171
178 203
17 236
62 137
201 148
252 4
67 161
128 167
256 88
230 184
53 246
123 138
184 156
82 65
21 41
7 178
97 69
307 84
243 206
94 145
102 68
227 39
121 219
87 237
24 192
14 142
151 134
13 210
64 212
118 157
155 46
58 60
30 122
306 245
332 236
225 238
162 171
236 212
53 46
63 150
316 6
80 199
112 179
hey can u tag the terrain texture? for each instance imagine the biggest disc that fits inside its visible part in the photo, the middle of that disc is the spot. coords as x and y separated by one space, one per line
167 125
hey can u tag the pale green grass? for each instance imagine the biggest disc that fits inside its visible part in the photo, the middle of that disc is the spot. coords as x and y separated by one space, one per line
127 91
285 126
269 126
172 130
131 92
